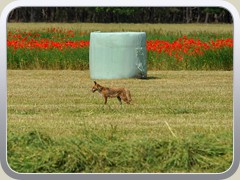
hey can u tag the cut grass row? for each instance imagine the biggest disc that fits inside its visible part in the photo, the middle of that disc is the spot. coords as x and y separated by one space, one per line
105 152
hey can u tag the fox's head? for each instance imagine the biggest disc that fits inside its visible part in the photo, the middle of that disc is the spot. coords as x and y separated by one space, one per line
96 87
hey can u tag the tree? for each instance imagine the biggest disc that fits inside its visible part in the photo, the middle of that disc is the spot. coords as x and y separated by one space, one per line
121 14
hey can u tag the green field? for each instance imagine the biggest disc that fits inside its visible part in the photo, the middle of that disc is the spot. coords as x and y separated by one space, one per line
179 121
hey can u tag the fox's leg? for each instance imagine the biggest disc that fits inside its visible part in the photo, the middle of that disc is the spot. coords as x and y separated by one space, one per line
125 99
128 95
105 100
119 99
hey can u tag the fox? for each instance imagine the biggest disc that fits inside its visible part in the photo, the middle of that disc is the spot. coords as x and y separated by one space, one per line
119 93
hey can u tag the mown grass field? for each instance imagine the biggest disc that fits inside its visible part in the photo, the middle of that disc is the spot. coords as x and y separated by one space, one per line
179 121
149 28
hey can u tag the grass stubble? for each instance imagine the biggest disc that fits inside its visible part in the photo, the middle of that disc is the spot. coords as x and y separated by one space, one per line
113 27
179 121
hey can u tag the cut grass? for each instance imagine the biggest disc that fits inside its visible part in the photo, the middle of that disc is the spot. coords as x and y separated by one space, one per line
56 124
98 152
149 28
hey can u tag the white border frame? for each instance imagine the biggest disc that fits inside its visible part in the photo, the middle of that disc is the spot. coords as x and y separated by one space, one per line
121 3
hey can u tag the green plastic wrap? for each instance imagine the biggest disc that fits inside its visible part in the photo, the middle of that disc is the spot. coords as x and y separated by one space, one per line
115 55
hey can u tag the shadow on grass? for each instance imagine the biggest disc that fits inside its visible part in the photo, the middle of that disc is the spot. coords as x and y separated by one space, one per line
150 78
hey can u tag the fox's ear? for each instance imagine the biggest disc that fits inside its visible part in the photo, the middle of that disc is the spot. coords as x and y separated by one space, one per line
95 82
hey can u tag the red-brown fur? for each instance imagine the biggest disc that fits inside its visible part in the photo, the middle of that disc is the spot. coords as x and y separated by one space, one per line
119 93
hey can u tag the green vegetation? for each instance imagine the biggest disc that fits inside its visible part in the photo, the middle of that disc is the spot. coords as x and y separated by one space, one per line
46 46
121 14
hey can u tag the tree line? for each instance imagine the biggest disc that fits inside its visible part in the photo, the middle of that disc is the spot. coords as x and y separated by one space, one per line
121 14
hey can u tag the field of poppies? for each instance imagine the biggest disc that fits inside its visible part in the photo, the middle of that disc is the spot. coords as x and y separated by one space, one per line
61 48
